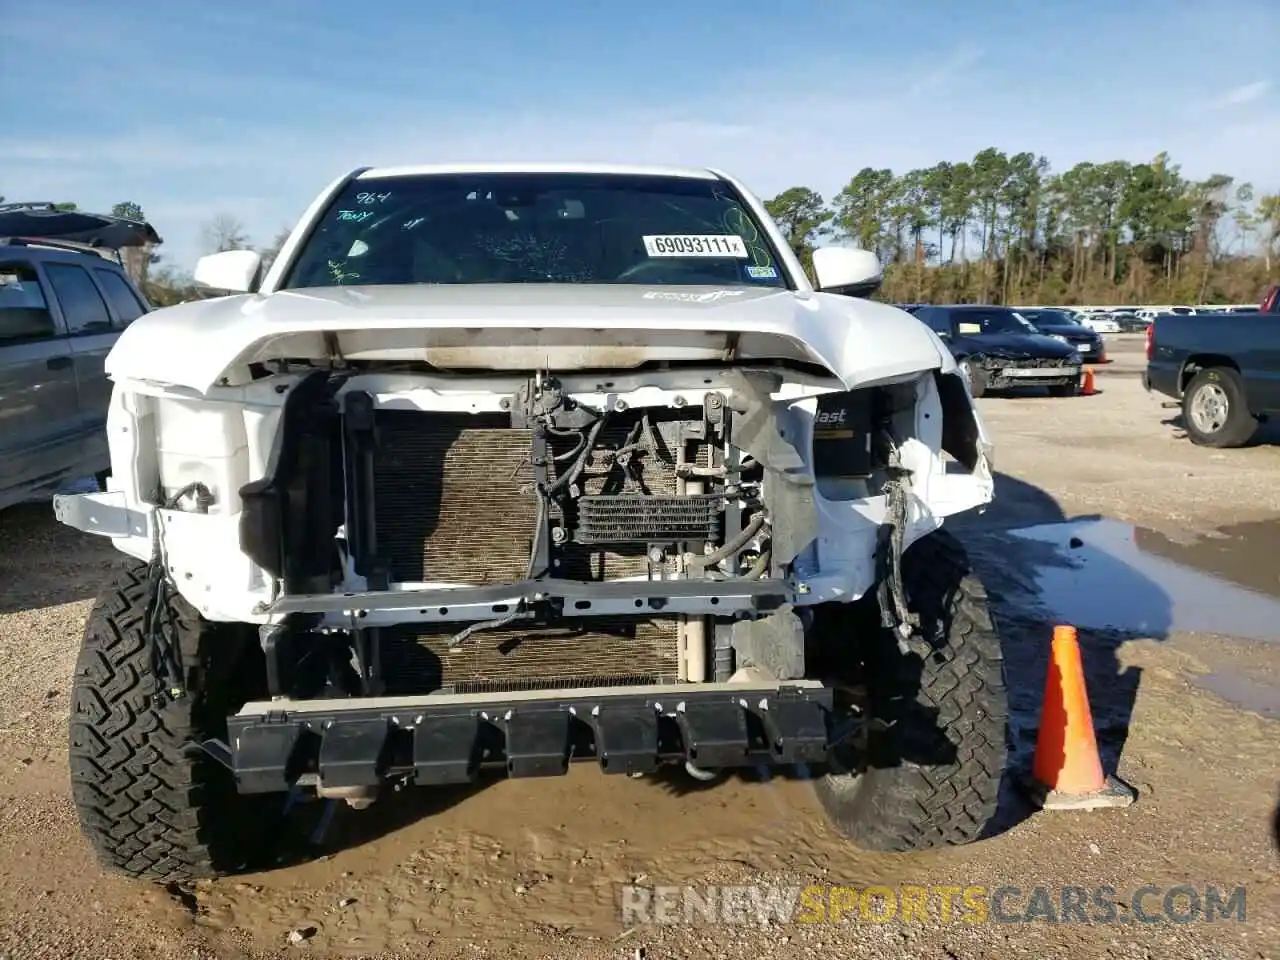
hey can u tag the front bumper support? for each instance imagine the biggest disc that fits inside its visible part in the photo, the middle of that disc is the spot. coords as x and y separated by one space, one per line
574 598
448 738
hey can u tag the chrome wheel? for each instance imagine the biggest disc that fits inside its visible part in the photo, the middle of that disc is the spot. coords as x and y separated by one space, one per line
1210 408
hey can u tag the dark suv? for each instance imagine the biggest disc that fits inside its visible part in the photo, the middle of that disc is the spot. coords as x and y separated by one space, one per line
998 349
62 306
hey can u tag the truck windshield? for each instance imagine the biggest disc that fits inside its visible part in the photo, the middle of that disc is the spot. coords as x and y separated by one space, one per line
536 228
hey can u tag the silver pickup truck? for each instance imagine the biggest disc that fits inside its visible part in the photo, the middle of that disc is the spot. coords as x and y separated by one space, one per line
63 303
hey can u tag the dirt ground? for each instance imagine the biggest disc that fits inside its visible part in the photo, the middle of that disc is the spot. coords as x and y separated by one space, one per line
532 868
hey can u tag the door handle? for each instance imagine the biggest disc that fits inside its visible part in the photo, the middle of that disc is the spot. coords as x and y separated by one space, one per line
58 363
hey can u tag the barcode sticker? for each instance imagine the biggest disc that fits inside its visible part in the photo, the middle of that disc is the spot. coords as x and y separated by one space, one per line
713 245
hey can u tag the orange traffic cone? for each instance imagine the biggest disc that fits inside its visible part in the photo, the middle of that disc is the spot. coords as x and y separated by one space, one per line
1067 771
1086 388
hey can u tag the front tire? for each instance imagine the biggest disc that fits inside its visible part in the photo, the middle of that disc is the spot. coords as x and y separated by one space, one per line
929 772
151 805
1215 411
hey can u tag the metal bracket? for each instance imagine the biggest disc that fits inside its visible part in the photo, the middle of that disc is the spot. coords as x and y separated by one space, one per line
103 514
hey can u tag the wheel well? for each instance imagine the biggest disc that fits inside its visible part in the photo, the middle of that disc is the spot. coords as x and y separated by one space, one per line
1203 361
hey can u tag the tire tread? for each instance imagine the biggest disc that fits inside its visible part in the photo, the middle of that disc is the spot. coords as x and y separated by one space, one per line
961 686
150 806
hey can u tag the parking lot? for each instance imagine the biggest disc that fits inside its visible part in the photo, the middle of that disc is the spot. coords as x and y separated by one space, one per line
1163 554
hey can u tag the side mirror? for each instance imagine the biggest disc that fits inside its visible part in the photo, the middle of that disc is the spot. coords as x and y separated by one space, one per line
847 270
235 271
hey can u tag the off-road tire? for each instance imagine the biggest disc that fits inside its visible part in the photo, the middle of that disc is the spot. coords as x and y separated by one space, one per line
151 805
1240 424
1071 389
929 773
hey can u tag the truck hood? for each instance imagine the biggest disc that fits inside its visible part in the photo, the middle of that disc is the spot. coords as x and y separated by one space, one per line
200 344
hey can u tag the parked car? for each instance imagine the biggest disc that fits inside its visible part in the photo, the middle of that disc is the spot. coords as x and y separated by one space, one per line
1100 322
1130 321
1223 368
62 306
998 349
1062 325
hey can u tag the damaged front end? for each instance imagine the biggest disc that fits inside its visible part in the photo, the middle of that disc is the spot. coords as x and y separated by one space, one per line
448 573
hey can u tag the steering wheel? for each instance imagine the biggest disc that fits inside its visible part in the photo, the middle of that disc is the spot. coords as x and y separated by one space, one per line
646 266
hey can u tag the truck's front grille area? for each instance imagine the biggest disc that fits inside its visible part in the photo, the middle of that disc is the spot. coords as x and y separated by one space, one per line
455 502
598 651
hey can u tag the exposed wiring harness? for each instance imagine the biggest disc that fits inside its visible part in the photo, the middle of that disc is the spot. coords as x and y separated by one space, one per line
462 636
160 631
204 497
891 593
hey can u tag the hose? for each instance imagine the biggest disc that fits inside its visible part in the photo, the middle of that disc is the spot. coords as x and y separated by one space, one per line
539 531
759 567
581 462
731 547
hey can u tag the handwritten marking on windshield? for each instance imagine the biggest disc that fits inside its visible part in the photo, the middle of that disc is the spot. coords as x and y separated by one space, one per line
410 224
338 270
355 216
367 198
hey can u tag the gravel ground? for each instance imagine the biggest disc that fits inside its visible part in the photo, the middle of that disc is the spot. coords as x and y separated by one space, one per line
533 868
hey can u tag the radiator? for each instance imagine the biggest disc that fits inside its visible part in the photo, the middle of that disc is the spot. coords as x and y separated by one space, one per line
454 501
593 652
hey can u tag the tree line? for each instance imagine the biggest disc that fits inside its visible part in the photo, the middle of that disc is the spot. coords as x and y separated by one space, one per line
998 228
1005 228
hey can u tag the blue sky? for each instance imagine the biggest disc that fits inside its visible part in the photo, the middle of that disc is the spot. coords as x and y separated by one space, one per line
252 106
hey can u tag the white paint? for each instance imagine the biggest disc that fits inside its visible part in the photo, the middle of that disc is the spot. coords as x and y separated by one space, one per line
840 267
197 344
230 270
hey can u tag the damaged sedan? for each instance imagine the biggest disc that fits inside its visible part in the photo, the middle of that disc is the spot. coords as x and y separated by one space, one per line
998 349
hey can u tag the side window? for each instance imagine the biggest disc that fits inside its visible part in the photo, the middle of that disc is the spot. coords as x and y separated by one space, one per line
125 302
82 306
24 312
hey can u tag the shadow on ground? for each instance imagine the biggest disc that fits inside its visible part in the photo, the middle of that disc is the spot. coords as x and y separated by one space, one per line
46 563
1267 434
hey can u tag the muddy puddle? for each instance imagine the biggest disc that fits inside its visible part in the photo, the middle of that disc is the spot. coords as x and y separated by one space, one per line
1103 574
1115 581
